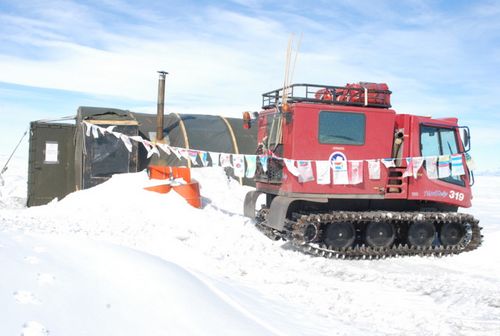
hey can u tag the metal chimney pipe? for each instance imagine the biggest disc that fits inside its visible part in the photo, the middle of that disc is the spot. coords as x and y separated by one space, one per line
161 105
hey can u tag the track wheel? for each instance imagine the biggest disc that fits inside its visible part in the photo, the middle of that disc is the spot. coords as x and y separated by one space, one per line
340 235
421 234
311 233
380 234
451 234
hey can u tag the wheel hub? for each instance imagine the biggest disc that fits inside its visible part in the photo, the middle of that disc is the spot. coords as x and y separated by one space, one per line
452 234
340 235
380 234
421 234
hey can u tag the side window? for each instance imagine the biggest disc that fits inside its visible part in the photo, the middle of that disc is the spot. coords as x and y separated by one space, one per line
449 141
435 141
341 128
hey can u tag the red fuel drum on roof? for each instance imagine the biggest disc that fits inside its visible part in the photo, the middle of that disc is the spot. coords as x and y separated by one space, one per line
313 129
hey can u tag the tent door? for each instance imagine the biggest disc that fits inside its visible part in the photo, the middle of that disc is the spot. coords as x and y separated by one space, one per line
51 162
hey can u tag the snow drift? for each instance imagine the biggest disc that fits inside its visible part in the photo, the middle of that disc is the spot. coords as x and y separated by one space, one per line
117 259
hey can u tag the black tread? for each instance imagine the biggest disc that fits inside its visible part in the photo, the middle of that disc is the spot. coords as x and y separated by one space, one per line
296 228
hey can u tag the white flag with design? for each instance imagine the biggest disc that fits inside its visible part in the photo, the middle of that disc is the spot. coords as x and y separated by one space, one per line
323 172
251 165
417 163
457 167
431 167
444 166
225 160
374 169
239 165
340 175
305 171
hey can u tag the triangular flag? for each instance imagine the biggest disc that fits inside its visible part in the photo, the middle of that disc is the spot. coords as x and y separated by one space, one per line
176 152
444 166
290 165
184 153
126 142
110 129
117 134
136 138
155 150
89 128
251 165
417 163
165 148
95 131
193 155
239 165
305 170
355 171
203 158
215 158
457 166
323 172
102 130
431 167
374 169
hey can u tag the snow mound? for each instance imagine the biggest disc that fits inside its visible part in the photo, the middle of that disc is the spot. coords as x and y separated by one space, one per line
262 286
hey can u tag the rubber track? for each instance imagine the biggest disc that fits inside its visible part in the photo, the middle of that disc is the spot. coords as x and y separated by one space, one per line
471 241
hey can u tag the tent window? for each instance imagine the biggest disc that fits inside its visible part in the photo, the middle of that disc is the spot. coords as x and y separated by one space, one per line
51 152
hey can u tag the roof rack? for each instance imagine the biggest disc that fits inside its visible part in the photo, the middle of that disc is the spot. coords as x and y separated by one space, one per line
361 94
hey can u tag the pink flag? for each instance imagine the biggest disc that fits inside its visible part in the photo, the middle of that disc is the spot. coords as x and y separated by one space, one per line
305 171
355 171
225 160
193 155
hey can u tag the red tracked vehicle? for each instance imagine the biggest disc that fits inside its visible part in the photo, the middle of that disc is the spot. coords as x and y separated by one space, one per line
390 216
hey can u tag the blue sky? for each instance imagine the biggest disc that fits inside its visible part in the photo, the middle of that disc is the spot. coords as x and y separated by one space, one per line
440 58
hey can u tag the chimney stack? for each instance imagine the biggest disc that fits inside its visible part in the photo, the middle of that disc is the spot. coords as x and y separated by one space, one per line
161 106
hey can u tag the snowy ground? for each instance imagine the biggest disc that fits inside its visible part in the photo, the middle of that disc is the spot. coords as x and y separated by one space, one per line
118 260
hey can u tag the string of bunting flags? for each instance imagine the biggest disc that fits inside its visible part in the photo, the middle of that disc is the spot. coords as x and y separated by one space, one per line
344 171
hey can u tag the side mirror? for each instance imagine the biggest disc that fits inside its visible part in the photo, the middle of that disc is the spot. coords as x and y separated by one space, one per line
465 135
